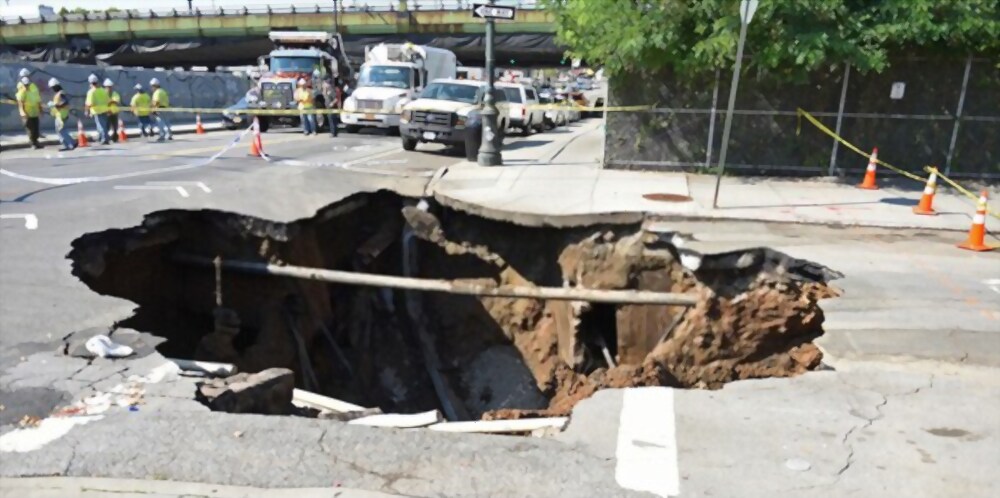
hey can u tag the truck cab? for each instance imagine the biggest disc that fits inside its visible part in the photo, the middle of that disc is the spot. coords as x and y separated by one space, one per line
392 76
314 56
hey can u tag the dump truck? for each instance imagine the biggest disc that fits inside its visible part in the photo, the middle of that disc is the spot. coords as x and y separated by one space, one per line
315 56
393 75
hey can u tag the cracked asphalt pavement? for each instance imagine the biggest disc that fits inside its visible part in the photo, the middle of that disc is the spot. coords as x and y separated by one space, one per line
908 406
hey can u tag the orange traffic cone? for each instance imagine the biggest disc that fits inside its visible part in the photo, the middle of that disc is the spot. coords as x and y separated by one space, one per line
927 200
122 135
869 182
81 136
977 234
198 128
254 148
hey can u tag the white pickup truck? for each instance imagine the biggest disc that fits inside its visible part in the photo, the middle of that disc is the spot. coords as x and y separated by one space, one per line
392 75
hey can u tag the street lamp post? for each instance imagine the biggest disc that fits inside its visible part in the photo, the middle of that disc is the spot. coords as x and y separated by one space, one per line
488 153
747 8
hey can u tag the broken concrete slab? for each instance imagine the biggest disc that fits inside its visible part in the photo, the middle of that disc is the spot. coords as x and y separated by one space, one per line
268 392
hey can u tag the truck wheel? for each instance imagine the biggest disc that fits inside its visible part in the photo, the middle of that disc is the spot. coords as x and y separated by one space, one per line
264 124
409 143
527 130
498 138
353 129
472 144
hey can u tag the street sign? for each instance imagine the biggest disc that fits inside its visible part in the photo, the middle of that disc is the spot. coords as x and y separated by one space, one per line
489 11
747 9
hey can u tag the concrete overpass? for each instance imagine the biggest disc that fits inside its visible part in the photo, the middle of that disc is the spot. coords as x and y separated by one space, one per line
242 32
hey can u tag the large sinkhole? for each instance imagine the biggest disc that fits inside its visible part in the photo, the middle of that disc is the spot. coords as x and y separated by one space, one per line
756 315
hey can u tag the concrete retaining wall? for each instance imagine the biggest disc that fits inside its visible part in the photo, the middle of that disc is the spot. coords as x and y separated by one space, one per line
186 89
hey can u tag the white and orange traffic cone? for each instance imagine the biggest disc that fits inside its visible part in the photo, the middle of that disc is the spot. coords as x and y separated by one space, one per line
198 128
926 205
122 134
81 136
977 234
255 145
869 182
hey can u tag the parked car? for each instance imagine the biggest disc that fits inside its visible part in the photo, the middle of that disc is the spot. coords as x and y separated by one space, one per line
568 107
525 113
449 111
554 117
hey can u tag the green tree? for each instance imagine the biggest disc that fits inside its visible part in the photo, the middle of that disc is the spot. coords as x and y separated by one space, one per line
788 38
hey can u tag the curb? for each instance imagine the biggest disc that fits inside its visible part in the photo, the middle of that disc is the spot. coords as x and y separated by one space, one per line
32 487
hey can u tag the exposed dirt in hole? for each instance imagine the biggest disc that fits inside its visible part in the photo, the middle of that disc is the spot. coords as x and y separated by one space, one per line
757 314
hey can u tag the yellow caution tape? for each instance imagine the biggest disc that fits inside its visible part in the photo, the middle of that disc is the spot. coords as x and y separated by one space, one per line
812 119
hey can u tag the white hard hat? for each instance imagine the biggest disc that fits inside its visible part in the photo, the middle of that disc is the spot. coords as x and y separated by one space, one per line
108 82
24 72
154 82
25 80
53 82
138 86
93 78
302 81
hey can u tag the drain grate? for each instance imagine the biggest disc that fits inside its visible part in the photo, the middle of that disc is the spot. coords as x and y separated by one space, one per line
667 197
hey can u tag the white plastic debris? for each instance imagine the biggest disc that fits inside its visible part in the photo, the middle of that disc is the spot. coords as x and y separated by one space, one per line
103 346
797 464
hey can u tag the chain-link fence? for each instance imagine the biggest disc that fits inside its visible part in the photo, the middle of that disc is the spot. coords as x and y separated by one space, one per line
921 111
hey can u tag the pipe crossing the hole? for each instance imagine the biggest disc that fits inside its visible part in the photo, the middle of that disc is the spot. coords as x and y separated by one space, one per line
444 286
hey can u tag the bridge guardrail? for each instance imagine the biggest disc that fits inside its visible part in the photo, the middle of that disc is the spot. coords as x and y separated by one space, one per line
344 6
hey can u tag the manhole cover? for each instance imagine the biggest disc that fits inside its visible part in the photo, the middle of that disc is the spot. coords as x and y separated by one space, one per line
667 197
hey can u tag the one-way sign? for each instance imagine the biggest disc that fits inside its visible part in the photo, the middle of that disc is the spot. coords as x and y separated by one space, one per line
489 11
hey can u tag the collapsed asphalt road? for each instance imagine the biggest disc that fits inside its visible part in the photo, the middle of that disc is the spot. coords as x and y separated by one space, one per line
756 315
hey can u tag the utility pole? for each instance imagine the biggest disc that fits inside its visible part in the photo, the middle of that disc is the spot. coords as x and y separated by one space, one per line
190 8
488 153
747 8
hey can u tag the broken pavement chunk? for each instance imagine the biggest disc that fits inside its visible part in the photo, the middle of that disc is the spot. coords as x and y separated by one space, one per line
267 393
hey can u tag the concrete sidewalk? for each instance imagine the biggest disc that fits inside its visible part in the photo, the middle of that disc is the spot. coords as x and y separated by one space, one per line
20 140
578 189
64 487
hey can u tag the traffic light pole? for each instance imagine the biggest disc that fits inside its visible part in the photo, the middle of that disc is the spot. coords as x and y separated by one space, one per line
489 155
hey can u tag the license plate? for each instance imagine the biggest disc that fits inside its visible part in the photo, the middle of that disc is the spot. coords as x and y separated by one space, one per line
429 135
369 116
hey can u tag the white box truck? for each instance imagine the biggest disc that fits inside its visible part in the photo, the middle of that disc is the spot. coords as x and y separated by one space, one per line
392 75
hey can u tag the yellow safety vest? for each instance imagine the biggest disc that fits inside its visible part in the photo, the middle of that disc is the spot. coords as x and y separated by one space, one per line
305 98
160 98
97 99
31 98
115 102
140 104
59 107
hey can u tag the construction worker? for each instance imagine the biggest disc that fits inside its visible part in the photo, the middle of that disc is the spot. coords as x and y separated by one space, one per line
140 108
161 101
96 106
29 105
114 107
331 96
59 107
304 97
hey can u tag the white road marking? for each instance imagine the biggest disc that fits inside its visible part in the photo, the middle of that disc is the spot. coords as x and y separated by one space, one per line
647 442
180 190
200 185
994 284
30 220
48 430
